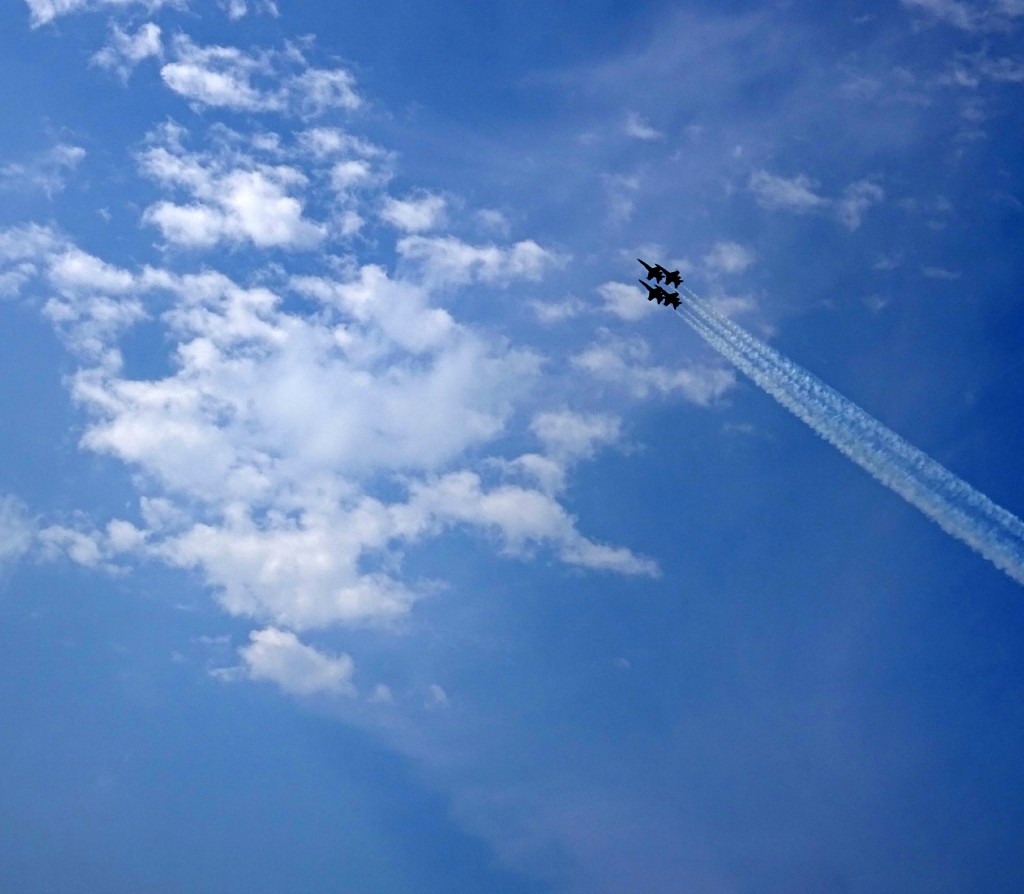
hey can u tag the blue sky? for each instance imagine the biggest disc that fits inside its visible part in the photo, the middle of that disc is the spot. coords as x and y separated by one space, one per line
363 529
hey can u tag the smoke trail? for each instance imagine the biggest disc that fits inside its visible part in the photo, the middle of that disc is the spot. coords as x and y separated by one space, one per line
951 503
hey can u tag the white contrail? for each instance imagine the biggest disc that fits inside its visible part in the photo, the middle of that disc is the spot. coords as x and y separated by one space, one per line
950 502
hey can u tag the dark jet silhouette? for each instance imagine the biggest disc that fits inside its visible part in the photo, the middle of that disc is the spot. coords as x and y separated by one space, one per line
657 273
657 293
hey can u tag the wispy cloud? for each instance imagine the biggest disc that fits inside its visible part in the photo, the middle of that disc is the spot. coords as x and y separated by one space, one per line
125 50
415 214
448 261
623 362
729 257
42 12
16 530
235 198
627 302
279 81
639 129
796 194
47 172
988 15
799 195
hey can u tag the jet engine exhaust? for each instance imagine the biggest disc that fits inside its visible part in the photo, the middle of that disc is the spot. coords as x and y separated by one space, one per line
950 502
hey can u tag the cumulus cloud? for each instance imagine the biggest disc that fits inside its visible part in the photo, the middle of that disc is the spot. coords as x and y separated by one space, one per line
47 172
311 423
255 449
235 198
279 657
622 362
260 81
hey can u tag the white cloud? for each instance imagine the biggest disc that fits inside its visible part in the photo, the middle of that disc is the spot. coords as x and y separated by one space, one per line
567 437
448 261
625 301
81 547
262 81
570 435
492 219
42 12
522 519
310 426
124 51
47 172
14 277
729 257
235 199
382 695
354 163
639 129
436 697
20 251
941 273
621 191
16 530
952 11
414 215
621 362
89 546
279 657
251 453
791 194
798 195
856 199
302 574
549 312
996 15
970 71
27 243
235 9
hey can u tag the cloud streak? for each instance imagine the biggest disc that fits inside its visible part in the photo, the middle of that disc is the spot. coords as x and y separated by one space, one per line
950 502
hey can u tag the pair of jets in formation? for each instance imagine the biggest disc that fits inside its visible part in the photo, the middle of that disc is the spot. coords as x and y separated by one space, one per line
657 293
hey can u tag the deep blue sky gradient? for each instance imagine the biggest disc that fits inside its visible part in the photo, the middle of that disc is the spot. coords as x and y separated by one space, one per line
821 691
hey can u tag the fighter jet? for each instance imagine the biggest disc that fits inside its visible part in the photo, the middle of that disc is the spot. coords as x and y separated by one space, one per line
657 293
657 273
